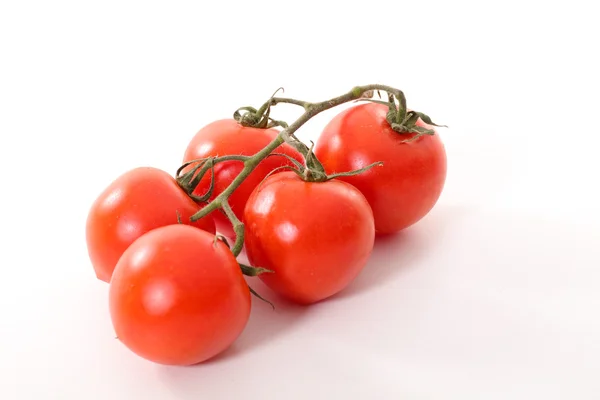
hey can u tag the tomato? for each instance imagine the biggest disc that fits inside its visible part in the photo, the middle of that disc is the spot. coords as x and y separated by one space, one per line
228 137
136 202
316 237
412 177
178 297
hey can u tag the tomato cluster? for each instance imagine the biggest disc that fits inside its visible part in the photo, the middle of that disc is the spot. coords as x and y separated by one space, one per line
177 294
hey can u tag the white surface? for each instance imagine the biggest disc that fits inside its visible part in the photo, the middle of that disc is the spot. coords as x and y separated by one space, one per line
495 295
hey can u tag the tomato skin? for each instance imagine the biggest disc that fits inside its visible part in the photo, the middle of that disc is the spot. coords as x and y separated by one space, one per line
177 297
412 177
228 137
316 237
138 201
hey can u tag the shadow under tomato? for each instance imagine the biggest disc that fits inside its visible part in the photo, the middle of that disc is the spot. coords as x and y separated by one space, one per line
267 323
395 254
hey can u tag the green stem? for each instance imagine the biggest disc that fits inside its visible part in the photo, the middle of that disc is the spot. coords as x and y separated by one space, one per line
254 271
303 104
236 157
238 228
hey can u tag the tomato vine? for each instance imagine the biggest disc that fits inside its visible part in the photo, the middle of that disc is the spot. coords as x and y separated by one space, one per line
401 120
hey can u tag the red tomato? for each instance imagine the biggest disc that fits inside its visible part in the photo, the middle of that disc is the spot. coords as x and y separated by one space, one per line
138 201
228 137
412 177
316 237
177 297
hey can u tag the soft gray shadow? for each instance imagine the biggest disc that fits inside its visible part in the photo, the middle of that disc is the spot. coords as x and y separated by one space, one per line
267 323
394 254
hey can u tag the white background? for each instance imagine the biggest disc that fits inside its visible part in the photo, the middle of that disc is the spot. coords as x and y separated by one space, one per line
495 295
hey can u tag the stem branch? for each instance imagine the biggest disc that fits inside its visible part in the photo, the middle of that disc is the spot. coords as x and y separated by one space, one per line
277 100
238 228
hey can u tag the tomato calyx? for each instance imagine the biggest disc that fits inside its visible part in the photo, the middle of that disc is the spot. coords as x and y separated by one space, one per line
402 120
258 296
249 270
314 171
259 118
309 175
189 180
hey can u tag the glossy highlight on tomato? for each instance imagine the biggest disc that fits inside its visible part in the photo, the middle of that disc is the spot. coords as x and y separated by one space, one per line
138 201
315 236
178 297
412 177
228 137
